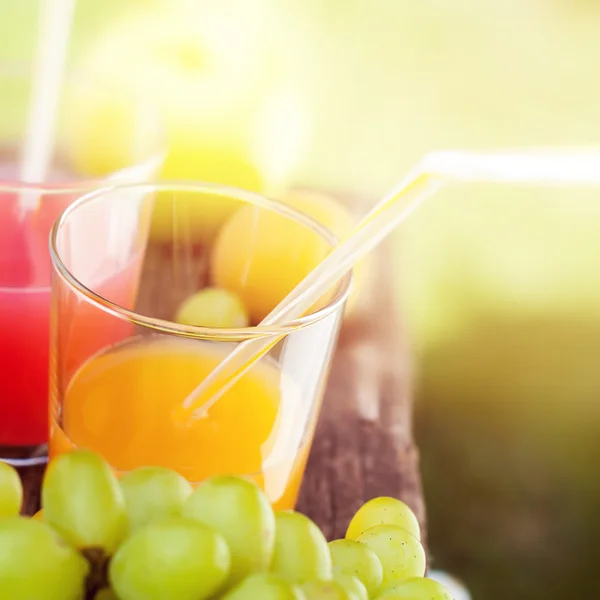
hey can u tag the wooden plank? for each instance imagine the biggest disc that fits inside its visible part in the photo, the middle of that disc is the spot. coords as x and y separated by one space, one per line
363 445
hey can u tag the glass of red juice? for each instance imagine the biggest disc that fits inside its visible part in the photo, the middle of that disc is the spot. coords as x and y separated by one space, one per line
86 156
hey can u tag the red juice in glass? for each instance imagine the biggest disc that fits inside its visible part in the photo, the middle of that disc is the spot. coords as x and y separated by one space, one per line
25 277
24 319
125 145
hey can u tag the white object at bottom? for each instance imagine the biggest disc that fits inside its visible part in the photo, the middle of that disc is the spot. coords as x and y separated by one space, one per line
453 585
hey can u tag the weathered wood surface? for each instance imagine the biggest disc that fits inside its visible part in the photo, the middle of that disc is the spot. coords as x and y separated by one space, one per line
364 445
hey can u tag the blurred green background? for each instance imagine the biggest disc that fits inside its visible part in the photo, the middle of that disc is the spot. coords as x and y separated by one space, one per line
500 286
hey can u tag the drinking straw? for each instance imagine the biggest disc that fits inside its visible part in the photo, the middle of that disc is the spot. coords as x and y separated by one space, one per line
54 30
533 166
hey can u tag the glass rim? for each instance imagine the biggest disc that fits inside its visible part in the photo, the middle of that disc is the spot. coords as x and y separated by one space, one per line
20 71
193 331
80 186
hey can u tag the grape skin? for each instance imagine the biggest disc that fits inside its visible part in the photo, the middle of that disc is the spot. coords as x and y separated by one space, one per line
383 511
265 586
352 584
153 492
82 500
350 557
11 491
213 307
417 588
301 551
401 555
327 590
36 563
177 559
241 513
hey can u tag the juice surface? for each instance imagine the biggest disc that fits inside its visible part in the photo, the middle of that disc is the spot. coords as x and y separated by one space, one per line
123 403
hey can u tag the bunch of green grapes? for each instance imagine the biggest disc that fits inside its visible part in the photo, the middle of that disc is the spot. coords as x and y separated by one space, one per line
150 536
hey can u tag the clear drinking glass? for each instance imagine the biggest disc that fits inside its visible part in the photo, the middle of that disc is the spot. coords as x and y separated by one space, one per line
27 211
121 366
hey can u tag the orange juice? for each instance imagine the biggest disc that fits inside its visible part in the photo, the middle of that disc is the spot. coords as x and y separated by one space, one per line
123 404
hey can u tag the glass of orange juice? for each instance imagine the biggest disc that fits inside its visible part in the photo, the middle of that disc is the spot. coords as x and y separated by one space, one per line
128 346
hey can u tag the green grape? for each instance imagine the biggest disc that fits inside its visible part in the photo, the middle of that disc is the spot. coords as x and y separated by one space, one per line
383 511
153 492
401 554
301 551
82 500
352 584
327 590
417 588
241 513
265 586
177 559
35 563
11 491
353 558
213 307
